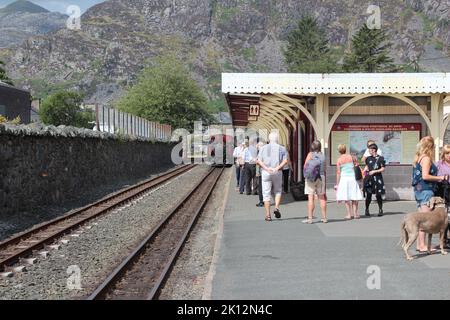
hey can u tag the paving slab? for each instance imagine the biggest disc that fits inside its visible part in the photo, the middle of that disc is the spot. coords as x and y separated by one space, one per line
286 259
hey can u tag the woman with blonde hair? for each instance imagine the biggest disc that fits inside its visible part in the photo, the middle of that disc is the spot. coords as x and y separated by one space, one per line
347 189
424 181
443 165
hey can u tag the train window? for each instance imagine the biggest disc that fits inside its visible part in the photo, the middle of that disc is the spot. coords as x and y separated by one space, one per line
2 110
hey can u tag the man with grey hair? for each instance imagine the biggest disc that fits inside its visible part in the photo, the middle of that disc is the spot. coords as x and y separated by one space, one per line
272 158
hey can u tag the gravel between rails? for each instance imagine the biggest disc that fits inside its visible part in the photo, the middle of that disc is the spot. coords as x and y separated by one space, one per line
98 250
188 277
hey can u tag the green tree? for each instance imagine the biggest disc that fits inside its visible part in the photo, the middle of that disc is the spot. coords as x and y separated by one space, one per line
308 49
63 108
165 93
369 52
3 76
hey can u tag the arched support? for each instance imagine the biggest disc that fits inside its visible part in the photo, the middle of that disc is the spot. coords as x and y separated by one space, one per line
279 110
303 110
274 101
364 96
281 129
437 115
444 127
265 126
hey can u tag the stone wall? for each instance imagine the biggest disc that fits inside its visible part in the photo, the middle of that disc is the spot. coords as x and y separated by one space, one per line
42 166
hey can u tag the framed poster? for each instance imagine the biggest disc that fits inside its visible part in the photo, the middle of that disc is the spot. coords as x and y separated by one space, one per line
397 141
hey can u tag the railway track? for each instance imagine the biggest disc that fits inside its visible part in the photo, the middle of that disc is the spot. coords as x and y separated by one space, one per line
24 244
143 273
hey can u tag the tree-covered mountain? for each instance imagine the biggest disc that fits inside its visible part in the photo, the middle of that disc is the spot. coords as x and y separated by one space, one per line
118 38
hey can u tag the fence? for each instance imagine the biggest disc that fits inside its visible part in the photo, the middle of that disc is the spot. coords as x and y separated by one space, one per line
114 121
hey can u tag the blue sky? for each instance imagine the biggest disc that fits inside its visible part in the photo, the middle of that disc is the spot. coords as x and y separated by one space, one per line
58 5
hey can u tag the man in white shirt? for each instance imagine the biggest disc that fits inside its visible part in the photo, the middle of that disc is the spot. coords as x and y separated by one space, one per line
238 156
367 153
250 157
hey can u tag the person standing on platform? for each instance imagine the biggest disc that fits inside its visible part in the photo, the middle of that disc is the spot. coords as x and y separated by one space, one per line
443 167
314 172
347 188
250 158
286 171
259 179
241 165
237 155
373 181
367 153
272 158
424 180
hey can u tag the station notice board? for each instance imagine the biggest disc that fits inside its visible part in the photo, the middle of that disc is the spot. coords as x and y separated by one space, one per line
398 142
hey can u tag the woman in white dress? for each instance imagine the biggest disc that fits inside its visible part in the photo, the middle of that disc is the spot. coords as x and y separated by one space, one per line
347 189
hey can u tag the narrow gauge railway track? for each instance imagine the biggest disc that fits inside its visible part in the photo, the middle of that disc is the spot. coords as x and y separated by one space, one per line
24 244
143 273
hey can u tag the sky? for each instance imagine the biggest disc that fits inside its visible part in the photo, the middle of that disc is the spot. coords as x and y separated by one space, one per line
59 5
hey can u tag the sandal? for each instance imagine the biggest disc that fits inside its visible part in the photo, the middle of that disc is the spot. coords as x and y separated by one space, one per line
348 218
268 219
277 213
324 220
358 217
307 221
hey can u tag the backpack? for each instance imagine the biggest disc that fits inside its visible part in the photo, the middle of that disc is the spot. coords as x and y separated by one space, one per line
311 171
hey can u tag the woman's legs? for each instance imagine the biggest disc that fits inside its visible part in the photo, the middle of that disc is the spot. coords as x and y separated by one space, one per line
348 206
368 201
323 206
311 206
380 204
355 205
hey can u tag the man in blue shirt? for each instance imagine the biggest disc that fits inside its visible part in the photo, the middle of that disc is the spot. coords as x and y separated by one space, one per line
272 158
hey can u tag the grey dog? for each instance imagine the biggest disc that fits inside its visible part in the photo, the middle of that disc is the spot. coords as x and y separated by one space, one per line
432 222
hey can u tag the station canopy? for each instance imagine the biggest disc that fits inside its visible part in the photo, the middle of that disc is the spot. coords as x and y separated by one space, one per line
282 99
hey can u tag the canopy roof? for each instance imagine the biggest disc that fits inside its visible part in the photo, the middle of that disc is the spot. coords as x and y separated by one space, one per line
337 83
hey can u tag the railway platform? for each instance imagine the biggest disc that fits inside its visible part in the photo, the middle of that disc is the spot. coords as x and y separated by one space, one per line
286 259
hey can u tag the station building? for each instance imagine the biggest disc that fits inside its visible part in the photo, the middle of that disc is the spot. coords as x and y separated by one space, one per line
395 109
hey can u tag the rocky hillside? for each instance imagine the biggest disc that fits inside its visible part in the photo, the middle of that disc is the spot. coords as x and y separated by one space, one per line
119 37
23 19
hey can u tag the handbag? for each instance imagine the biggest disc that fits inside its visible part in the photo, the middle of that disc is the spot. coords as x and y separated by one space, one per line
358 173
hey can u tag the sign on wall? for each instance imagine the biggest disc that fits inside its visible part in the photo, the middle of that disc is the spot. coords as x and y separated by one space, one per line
254 110
397 141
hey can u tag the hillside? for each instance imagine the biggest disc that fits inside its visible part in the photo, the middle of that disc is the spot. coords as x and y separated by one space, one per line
22 19
119 37
22 6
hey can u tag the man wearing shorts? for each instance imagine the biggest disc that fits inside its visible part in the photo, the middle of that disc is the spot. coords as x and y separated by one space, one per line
272 158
